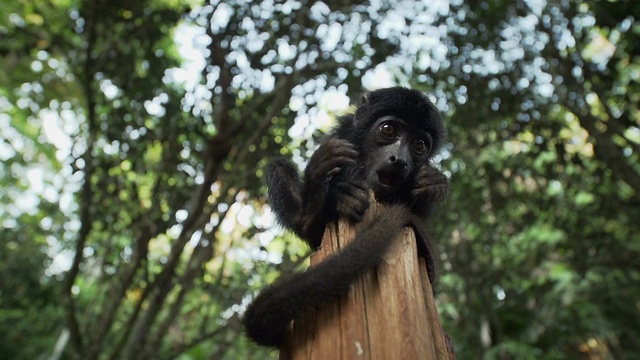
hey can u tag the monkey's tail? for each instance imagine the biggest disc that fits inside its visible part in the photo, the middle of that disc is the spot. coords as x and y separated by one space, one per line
267 318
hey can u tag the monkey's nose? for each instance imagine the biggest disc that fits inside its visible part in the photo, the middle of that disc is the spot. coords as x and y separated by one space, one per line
399 163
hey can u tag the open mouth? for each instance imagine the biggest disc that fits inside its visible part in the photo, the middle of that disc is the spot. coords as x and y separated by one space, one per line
388 178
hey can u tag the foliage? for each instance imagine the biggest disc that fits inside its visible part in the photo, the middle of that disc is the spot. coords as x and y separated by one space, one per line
133 214
545 146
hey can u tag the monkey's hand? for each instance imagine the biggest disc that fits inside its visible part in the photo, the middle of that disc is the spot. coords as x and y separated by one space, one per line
352 200
333 156
431 186
328 161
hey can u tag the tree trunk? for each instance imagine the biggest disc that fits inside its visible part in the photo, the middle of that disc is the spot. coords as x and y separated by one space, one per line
389 312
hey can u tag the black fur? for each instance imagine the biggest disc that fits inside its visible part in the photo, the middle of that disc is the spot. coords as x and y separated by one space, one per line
385 147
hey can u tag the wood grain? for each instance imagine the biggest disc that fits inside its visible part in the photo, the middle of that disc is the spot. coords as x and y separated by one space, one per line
389 313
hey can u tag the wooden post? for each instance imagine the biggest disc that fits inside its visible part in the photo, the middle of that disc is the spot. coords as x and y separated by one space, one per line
389 313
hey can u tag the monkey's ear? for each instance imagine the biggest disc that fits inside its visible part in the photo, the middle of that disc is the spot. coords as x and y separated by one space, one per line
359 119
366 99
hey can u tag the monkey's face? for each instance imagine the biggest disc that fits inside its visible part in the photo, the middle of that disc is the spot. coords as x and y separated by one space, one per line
396 150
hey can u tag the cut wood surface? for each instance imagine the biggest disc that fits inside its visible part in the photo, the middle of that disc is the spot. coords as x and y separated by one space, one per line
389 313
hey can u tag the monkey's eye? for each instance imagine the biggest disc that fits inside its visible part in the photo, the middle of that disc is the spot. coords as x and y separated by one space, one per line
420 147
388 131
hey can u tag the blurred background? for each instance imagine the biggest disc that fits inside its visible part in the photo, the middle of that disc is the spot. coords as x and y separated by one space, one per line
134 137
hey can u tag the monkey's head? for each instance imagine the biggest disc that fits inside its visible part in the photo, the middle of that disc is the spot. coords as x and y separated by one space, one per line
401 130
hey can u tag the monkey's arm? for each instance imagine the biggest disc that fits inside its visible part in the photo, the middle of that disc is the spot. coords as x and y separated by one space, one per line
285 193
318 207
304 205
425 247
290 298
431 187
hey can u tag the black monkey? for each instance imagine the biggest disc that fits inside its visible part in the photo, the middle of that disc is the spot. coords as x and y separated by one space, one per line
384 147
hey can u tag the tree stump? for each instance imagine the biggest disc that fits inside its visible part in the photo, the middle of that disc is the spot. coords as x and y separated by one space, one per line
389 313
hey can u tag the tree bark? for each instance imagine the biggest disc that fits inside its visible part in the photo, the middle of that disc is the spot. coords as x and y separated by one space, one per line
389 313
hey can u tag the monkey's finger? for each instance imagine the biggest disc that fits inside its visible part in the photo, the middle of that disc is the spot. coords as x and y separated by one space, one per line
339 161
337 147
435 182
337 142
432 194
327 172
346 152
342 150
333 155
334 172
431 187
